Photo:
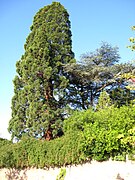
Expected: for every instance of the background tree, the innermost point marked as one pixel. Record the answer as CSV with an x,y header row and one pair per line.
x,y
97,71
121,96
39,86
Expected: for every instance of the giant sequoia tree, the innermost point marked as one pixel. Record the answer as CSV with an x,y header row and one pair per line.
x,y
39,86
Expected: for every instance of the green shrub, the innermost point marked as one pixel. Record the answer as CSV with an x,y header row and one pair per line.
x,y
78,119
4,142
6,156
6,153
87,135
102,138
30,152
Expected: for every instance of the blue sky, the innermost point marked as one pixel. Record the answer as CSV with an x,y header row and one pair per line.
x,y
92,21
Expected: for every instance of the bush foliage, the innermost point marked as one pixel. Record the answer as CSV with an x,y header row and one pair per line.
x,y
87,135
30,152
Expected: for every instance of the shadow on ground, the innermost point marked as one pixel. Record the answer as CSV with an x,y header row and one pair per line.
x,y
14,174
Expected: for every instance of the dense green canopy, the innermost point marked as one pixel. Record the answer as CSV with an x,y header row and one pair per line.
x,y
39,86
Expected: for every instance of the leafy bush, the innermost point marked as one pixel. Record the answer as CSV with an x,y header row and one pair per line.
x,y
78,119
6,153
30,152
87,135
4,142
102,139
102,131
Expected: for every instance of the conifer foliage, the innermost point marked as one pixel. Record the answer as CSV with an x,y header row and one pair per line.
x,y
40,84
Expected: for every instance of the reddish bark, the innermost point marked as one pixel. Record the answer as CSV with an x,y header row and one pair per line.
x,y
48,135
48,95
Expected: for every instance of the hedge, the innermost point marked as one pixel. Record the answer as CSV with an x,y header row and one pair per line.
x,y
100,135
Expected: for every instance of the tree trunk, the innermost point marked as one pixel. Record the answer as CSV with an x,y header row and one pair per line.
x,y
48,135
82,97
91,98
49,95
